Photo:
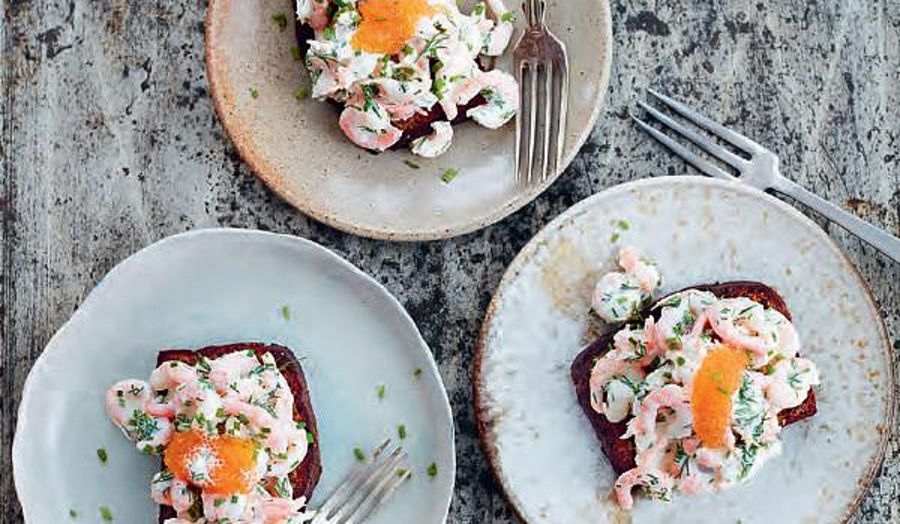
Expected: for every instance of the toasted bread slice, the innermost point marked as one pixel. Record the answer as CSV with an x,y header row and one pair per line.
x,y
621,452
305,477
417,126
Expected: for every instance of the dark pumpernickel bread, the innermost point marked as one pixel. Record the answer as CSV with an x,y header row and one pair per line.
x,y
418,125
621,452
306,476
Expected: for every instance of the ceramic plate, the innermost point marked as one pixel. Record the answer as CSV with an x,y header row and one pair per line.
x,y
297,148
220,286
699,230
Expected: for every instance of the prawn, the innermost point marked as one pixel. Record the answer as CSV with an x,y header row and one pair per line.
x,y
498,37
605,370
748,325
644,425
435,144
657,483
369,129
645,273
790,382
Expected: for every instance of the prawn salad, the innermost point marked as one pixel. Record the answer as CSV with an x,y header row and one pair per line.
x,y
700,385
390,61
226,432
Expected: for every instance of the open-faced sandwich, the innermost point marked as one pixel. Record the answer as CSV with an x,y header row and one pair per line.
x,y
691,392
235,429
405,70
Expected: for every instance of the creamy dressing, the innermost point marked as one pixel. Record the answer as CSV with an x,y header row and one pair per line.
x,y
648,377
438,64
226,417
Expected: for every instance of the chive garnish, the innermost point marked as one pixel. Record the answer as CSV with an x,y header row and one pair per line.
x,y
101,454
432,470
449,175
358,453
73,514
285,312
401,431
106,514
412,164
301,93
380,390
417,373
254,92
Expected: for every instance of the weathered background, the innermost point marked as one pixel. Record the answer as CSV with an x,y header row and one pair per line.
x,y
110,142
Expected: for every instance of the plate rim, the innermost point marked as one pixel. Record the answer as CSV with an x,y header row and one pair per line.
x,y
269,176
87,303
543,236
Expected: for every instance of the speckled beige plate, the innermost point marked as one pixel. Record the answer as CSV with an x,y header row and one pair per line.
x,y
699,230
297,148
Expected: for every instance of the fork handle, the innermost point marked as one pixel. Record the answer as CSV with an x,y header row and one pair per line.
x,y
874,236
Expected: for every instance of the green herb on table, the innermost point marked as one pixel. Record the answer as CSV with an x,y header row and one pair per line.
x,y
380,390
106,514
285,312
101,454
296,54
412,164
358,453
449,175
280,20
401,431
432,470
254,92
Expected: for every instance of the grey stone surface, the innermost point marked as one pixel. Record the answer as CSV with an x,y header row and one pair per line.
x,y
110,142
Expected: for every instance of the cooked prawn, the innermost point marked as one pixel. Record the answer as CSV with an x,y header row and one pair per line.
x,y
657,483
499,36
747,324
369,129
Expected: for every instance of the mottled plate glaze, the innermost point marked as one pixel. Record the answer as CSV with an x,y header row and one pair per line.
x,y
214,287
699,230
297,149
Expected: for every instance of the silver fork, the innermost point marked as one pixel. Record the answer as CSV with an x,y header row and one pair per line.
x,y
366,488
760,170
542,70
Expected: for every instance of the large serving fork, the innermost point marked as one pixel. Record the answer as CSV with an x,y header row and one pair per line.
x,y
542,71
366,488
758,168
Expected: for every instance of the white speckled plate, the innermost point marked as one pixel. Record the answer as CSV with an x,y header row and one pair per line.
x,y
220,286
297,149
699,230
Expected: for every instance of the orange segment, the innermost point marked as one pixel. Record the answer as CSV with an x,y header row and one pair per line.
x,y
387,25
230,461
718,378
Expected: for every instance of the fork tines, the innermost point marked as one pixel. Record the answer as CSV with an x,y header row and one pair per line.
x,y
368,486
542,71
739,141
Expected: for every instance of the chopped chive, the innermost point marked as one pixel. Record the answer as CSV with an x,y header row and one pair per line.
x,y
417,373
401,431
358,453
403,472
614,237
301,93
508,16
73,514
285,312
380,390
101,454
254,92
432,470
624,225
310,438
106,514
281,20
412,164
449,175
